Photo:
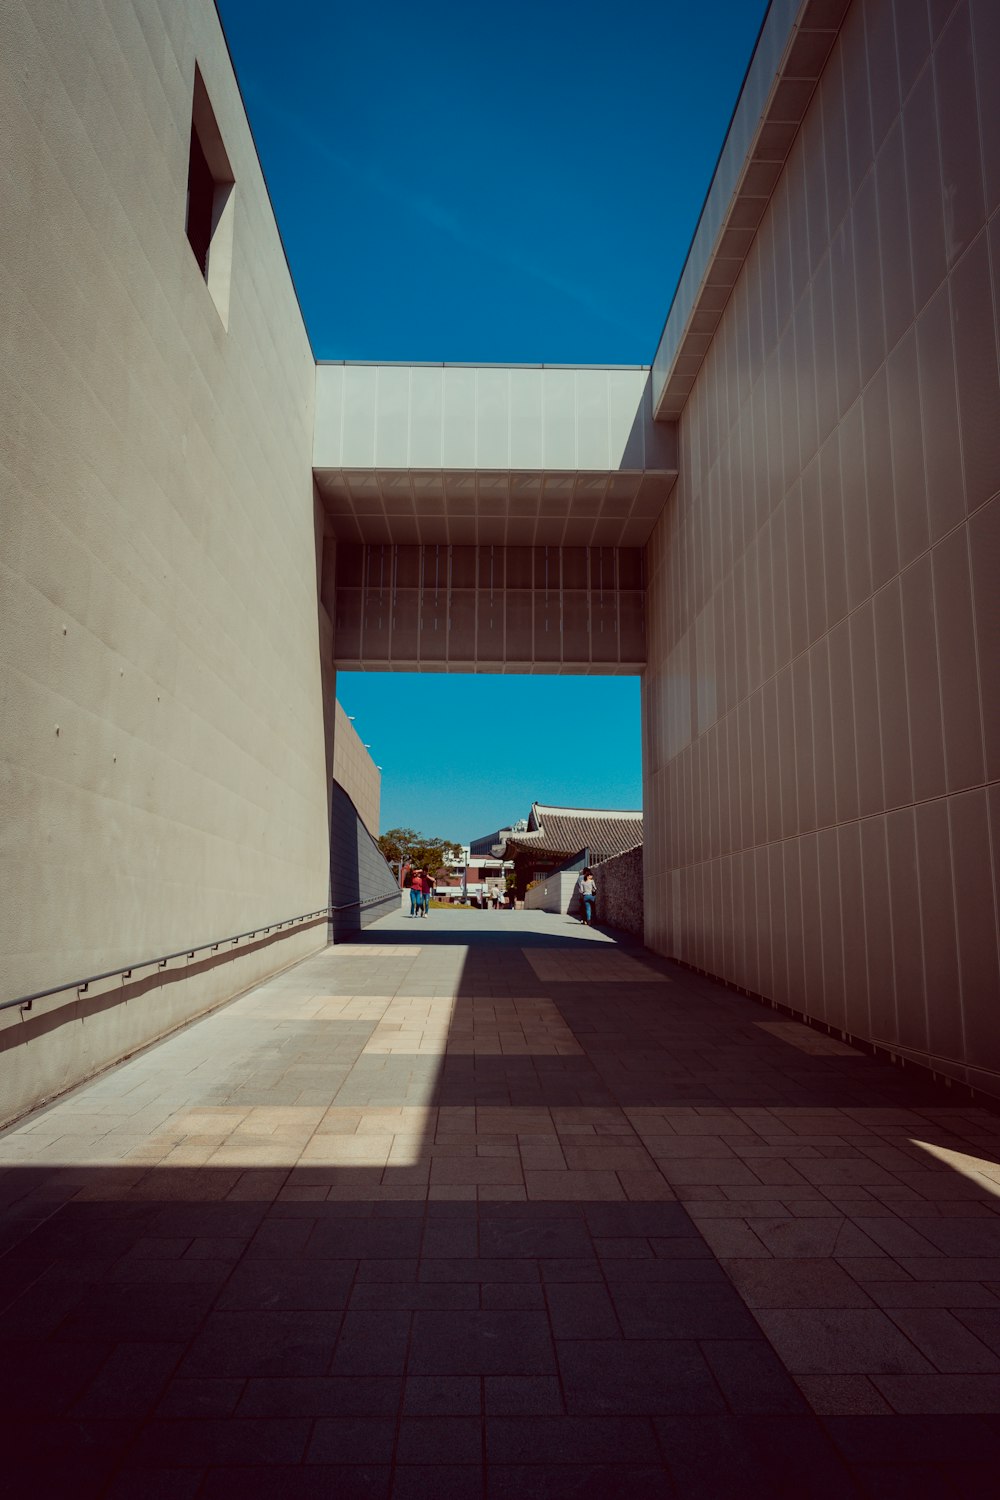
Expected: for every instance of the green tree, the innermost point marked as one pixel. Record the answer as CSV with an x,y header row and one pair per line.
x,y
397,843
410,847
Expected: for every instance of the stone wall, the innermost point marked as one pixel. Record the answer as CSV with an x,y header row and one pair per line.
x,y
620,892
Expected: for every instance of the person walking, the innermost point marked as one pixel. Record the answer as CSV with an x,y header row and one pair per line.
x,y
429,884
416,894
587,889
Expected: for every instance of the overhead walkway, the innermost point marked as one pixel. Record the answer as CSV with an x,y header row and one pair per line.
x,y
491,1205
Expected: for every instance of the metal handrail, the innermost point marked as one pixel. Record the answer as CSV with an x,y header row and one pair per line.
x,y
125,970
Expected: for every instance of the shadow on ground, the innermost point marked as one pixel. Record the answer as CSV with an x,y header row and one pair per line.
x,y
564,1220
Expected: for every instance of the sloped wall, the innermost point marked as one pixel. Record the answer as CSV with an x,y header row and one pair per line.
x,y
362,886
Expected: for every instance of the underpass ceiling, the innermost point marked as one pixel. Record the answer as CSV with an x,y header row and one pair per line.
x,y
499,507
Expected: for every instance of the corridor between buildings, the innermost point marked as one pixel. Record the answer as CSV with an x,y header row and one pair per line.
x,y
494,1205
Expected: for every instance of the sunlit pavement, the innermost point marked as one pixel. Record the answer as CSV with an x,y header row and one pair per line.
x,y
489,1204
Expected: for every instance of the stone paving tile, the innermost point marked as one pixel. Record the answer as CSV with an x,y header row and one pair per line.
x,y
574,1440
312,1482
156,1484
595,1482
681,1310
795,1283
523,1395
517,1212
842,1395
648,1377
486,1343
933,1394
751,1377
840,1342
442,1396
945,1341
712,1456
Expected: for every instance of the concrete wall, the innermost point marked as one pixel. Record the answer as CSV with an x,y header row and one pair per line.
x,y
162,739
555,893
488,417
822,726
356,772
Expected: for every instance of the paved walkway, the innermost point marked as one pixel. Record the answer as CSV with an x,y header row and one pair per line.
x,y
489,1205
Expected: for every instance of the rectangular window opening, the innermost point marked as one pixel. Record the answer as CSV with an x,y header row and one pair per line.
x,y
210,200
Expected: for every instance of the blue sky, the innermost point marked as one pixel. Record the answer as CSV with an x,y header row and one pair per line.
x,y
463,755
500,185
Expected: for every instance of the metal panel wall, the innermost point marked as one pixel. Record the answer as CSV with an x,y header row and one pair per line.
x,y
492,609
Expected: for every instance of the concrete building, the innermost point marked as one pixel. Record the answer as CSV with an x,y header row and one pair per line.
x,y
789,524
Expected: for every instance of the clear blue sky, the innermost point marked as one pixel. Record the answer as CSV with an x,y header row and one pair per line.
x,y
513,184
463,755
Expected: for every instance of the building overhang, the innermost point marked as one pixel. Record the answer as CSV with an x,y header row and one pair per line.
x,y
791,52
523,455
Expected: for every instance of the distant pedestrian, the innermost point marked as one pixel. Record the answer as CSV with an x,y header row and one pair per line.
x,y
587,890
416,894
429,887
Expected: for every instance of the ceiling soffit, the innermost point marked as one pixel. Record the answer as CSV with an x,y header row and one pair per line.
x,y
494,506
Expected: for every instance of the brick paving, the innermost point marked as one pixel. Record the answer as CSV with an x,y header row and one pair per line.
x,y
490,1205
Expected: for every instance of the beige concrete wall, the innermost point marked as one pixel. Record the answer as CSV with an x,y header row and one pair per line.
x,y
164,775
556,892
822,749
357,773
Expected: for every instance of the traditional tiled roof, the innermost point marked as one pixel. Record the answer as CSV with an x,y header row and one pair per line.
x,y
484,845
487,845
561,832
